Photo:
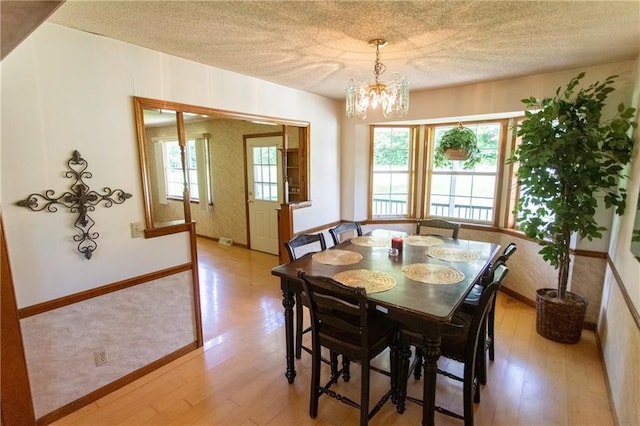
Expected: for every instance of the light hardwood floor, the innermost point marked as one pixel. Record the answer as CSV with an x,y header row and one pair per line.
x,y
237,378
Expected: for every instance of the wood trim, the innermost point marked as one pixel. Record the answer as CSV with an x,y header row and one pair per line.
x,y
590,253
285,227
16,401
176,106
285,230
304,135
99,291
518,296
167,230
182,143
300,205
502,155
320,228
606,379
111,387
196,285
625,295
143,163
21,18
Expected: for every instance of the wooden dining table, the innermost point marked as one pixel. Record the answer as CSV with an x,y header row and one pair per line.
x,y
419,306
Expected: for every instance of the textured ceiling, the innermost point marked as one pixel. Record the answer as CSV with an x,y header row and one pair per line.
x,y
317,46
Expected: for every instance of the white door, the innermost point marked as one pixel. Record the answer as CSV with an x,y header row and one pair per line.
x,y
265,189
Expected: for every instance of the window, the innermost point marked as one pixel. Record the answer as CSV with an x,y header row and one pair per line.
x,y
265,173
524,201
392,172
406,184
198,178
467,195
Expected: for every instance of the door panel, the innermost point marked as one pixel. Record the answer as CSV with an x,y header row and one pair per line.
x,y
265,193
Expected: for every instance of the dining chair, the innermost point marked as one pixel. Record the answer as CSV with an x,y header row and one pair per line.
x,y
470,304
427,226
342,322
297,247
461,341
353,229
498,271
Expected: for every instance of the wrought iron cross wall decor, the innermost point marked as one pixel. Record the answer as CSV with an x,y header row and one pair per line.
x,y
80,200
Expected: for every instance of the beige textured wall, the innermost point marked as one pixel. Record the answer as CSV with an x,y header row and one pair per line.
x,y
137,326
619,338
619,333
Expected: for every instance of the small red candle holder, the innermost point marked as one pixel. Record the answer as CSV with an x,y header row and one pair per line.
x,y
396,243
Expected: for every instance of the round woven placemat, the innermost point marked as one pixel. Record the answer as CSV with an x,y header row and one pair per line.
x,y
337,257
372,281
432,274
451,254
423,240
370,241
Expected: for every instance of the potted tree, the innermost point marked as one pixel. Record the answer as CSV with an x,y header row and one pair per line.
x,y
458,144
569,157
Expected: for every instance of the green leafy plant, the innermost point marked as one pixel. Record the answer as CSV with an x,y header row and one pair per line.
x,y
568,157
458,138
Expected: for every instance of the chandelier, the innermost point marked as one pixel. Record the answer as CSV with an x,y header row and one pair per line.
x,y
393,96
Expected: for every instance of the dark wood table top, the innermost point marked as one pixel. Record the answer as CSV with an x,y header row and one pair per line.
x,y
436,302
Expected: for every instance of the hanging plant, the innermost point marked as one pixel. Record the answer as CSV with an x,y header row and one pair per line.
x,y
458,144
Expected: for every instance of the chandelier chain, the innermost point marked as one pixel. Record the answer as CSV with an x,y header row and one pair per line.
x,y
378,68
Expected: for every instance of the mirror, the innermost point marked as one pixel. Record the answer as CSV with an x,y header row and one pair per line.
x,y
193,165
635,236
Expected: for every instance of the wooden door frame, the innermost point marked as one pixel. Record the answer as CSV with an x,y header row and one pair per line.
x,y
16,399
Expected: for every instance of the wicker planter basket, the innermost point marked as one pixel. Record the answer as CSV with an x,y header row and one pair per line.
x,y
456,154
560,320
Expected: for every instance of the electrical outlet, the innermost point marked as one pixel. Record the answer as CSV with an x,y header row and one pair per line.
x,y
137,230
101,357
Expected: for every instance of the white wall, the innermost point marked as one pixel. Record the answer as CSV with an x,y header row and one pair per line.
x,y
63,90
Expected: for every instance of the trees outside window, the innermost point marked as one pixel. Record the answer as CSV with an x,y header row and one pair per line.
x,y
406,183
467,194
392,171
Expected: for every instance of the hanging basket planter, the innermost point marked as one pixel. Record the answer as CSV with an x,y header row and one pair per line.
x,y
456,154
457,144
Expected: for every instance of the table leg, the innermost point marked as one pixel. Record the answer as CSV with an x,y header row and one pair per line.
x,y
403,357
288,303
431,355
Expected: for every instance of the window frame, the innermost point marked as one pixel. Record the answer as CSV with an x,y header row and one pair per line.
x,y
194,189
411,172
505,191
430,171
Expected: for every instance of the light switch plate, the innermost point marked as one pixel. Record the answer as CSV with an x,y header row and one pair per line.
x,y
137,230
